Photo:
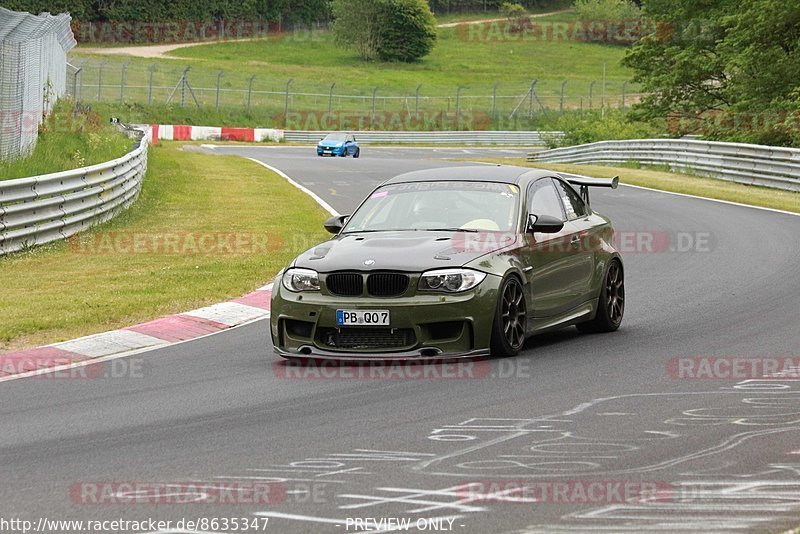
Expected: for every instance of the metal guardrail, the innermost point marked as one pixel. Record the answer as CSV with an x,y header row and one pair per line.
x,y
510,138
51,207
766,166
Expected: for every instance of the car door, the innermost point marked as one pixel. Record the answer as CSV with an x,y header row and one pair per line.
x,y
581,241
548,259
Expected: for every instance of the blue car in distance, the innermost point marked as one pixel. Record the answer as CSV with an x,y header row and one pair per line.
x,y
338,144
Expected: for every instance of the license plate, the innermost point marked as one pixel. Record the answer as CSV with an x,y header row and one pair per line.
x,y
362,317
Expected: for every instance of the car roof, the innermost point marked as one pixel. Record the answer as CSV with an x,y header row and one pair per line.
x,y
506,174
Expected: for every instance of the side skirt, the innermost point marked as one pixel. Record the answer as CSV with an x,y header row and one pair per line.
x,y
584,312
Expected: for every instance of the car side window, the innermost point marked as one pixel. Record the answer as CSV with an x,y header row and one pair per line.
x,y
349,138
543,199
573,203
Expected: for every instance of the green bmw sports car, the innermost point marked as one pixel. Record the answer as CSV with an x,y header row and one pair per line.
x,y
450,263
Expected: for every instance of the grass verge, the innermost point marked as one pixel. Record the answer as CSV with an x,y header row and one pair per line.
x,y
206,228
70,137
677,183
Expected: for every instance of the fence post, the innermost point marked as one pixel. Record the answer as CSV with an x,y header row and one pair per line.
x,y
416,100
216,100
494,101
624,87
122,81
151,70
75,83
591,91
372,119
183,86
458,108
533,96
561,103
250,90
330,99
100,80
286,102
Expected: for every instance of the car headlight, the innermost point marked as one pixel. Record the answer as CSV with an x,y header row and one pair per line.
x,y
301,280
450,280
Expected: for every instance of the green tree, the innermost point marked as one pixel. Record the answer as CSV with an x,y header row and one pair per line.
x,y
390,30
516,14
409,31
607,10
722,56
357,24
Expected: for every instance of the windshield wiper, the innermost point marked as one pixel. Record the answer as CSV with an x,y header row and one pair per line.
x,y
472,230
373,231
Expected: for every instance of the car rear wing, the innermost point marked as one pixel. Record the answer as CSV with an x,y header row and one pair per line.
x,y
585,182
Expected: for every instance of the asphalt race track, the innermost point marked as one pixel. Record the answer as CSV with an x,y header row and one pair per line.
x,y
609,433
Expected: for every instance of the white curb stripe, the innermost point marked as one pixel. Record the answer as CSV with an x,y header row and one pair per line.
x,y
228,313
109,343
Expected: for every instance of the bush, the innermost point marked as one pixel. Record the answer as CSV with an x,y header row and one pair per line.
x,y
607,10
409,32
391,30
516,14
581,127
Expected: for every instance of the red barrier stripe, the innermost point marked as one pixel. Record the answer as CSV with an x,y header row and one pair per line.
x,y
182,133
238,134
154,133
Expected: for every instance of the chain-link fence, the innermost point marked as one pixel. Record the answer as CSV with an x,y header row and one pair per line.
x,y
299,104
33,58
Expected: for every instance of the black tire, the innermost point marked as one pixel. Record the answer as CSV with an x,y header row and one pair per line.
x,y
357,154
510,320
611,306
344,153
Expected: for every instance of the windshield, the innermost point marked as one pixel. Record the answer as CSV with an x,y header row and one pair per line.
x,y
335,137
466,206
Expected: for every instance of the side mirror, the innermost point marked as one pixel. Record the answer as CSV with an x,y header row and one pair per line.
x,y
335,224
546,224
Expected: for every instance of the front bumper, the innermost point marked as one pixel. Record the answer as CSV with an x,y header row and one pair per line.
x,y
334,151
422,327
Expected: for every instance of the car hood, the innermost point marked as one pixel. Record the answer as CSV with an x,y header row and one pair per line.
x,y
402,251
330,143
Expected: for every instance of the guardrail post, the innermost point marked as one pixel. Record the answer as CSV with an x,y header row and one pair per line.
x,y
216,99
286,102
591,92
